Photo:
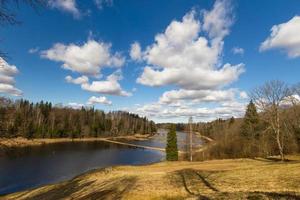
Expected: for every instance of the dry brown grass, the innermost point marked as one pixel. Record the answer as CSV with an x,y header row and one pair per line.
x,y
216,179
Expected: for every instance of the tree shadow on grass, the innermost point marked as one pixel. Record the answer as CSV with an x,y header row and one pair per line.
x,y
62,191
264,196
87,190
113,191
185,174
275,160
207,183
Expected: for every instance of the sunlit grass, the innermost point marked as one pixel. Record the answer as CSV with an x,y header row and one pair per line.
x,y
216,179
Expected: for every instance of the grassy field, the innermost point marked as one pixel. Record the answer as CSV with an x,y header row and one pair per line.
x,y
216,179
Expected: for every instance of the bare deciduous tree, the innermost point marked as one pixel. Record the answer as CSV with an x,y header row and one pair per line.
x,y
296,94
269,98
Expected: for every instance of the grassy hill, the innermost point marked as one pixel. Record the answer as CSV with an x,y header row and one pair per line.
x,y
216,179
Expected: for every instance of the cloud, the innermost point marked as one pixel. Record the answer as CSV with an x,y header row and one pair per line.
x,y
159,112
184,57
80,80
188,55
91,101
33,50
218,20
102,3
10,89
191,78
109,86
7,82
6,69
75,105
244,95
203,105
200,96
291,100
238,50
101,100
136,52
7,79
285,36
69,6
87,59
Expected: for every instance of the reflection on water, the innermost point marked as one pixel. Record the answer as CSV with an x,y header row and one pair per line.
x,y
34,166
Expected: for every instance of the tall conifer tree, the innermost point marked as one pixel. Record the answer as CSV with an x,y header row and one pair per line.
x,y
171,148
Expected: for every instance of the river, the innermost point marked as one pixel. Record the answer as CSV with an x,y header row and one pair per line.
x,y
30,167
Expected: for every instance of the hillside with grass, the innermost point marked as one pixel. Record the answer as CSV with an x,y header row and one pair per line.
x,y
215,179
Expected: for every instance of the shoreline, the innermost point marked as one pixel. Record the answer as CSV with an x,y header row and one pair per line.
x,y
8,143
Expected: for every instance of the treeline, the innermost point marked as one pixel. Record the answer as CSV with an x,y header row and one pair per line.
x,y
271,126
252,136
21,118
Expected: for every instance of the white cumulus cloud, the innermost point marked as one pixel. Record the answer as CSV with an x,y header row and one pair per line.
x,y
109,86
80,80
7,82
285,36
87,59
75,105
135,51
200,96
188,55
99,100
159,112
238,50
66,5
184,57
218,20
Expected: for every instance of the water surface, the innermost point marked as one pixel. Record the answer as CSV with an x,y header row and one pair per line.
x,y
30,167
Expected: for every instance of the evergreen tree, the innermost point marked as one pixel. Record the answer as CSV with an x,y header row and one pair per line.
x,y
250,131
171,148
249,127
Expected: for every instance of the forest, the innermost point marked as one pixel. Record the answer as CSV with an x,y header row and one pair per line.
x,y
270,126
21,118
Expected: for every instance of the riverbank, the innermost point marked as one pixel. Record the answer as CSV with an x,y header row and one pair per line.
x,y
6,143
216,179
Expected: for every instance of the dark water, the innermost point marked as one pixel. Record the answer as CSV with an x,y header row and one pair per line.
x,y
30,167
35,166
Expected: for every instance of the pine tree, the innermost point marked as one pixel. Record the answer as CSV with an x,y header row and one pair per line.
x,y
250,131
171,148
250,123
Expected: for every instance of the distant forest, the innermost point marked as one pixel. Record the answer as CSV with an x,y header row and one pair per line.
x,y
21,118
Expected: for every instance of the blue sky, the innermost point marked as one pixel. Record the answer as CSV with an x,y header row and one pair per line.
x,y
168,77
